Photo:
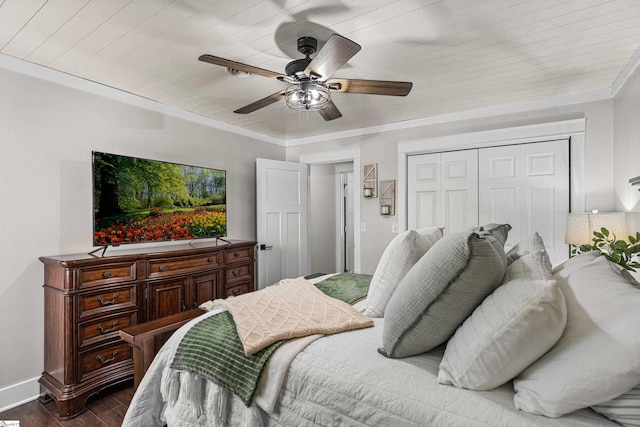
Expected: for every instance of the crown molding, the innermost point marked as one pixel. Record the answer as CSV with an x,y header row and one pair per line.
x,y
626,73
557,101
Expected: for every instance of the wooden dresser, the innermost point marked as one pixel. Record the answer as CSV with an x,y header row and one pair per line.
x,y
88,299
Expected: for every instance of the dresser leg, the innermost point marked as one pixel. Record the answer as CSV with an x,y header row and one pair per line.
x,y
68,405
71,408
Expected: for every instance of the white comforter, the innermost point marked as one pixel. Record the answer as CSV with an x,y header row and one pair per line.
x,y
341,380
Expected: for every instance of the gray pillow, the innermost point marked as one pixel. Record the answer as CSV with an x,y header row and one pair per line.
x,y
440,291
499,231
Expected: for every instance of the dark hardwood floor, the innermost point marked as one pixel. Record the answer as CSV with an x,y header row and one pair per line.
x,y
106,409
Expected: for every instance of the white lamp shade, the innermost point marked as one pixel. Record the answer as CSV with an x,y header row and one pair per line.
x,y
580,226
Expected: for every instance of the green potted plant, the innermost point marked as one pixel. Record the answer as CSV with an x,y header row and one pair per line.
x,y
618,251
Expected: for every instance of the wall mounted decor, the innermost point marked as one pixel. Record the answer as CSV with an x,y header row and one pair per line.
x,y
388,197
370,180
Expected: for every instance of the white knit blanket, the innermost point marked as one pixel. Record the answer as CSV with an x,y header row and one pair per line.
x,y
289,309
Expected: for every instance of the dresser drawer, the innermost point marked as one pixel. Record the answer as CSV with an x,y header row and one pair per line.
x,y
102,359
239,273
104,328
106,301
177,265
243,288
104,274
238,255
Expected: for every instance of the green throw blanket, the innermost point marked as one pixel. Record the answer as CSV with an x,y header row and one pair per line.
x,y
347,287
212,348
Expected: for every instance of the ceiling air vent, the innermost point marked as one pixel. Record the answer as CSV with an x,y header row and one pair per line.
x,y
635,181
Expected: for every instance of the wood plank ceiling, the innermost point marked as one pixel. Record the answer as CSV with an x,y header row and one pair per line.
x,y
460,54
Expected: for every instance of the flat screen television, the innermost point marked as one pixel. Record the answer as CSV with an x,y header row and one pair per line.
x,y
139,200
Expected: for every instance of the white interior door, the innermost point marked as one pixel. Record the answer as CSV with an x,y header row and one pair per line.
x,y
527,186
443,190
282,193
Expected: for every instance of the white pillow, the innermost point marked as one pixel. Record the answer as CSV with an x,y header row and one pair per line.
x,y
397,259
598,356
512,328
534,265
532,243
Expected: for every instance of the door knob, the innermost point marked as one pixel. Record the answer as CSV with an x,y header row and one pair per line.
x,y
265,247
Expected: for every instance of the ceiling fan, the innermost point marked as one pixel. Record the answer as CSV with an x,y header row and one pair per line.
x,y
309,78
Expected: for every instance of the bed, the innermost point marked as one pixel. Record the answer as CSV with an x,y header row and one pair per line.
x,y
369,376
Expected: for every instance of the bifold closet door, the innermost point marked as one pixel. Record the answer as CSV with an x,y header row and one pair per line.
x,y
442,190
527,186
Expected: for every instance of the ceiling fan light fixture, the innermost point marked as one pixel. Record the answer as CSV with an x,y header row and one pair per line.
x,y
307,96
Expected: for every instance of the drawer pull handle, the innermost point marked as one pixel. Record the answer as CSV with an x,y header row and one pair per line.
x,y
106,274
236,292
163,268
109,360
210,259
111,329
111,301
235,273
236,254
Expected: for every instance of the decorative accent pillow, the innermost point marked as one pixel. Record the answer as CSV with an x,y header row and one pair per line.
x,y
441,291
598,356
533,265
397,259
532,243
512,328
499,231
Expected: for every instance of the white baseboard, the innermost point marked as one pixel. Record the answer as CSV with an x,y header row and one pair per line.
x,y
17,394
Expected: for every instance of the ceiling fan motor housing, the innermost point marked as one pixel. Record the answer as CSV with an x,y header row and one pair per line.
x,y
306,46
296,68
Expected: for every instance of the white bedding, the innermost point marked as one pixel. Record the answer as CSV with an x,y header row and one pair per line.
x,y
342,380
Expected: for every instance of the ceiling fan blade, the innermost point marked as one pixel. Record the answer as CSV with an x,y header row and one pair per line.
x,y
260,103
333,55
330,112
240,66
373,87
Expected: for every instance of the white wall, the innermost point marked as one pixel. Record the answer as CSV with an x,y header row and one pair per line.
x,y
381,148
627,145
322,218
47,133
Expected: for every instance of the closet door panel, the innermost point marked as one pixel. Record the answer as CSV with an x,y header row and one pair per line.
x,y
457,208
423,180
426,214
536,176
502,205
460,190
541,204
443,190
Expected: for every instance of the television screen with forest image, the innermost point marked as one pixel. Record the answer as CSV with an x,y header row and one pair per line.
x,y
139,200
